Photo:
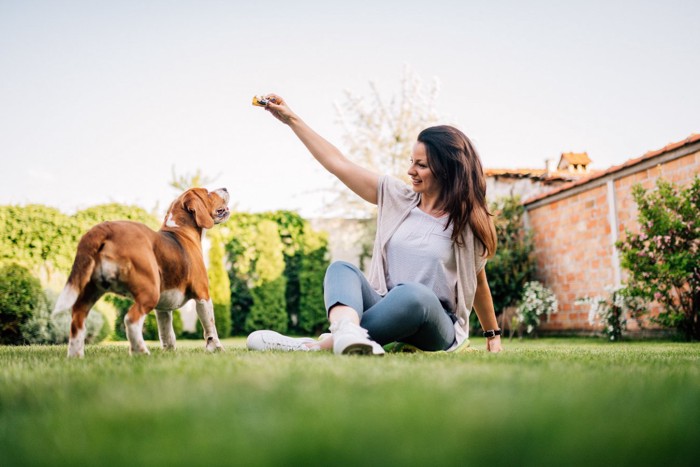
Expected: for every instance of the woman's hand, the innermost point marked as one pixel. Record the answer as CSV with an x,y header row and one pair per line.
x,y
279,108
493,344
363,182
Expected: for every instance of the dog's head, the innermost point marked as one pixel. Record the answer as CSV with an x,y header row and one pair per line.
x,y
199,206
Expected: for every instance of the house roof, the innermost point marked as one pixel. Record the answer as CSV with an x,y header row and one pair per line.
x,y
693,138
574,158
535,174
515,173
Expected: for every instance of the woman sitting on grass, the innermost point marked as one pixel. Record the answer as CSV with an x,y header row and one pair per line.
x,y
427,269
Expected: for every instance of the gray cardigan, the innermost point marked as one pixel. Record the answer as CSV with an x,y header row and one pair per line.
x,y
395,200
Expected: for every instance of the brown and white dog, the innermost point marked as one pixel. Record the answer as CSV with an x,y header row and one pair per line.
x,y
159,270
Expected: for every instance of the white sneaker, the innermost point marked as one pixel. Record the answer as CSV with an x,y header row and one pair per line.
x,y
271,340
351,339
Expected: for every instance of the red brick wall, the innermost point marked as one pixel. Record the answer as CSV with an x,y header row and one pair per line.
x,y
573,234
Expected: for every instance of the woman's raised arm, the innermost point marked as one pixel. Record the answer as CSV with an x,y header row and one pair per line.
x,y
360,180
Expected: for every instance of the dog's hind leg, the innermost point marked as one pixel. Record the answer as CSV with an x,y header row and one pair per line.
x,y
165,329
78,325
205,311
76,341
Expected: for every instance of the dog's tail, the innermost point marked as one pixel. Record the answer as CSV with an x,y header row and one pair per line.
x,y
83,266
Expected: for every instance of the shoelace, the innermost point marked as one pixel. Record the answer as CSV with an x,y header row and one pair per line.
x,y
350,328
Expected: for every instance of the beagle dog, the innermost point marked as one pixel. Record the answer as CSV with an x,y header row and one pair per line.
x,y
158,270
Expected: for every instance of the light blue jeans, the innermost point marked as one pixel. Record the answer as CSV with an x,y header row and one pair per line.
x,y
409,313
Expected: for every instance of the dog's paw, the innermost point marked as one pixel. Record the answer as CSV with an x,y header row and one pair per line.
x,y
140,350
214,345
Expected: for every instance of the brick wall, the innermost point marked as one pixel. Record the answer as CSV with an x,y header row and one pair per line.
x,y
576,225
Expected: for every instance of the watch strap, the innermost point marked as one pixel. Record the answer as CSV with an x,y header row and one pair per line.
x,y
492,333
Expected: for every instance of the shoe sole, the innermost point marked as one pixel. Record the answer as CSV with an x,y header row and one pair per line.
x,y
359,349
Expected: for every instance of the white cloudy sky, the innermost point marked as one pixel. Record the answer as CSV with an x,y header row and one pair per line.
x,y
100,100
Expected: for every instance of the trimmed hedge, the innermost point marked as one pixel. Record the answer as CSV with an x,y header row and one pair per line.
x,y
290,298
305,259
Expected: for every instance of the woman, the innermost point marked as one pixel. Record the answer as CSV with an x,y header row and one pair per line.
x,y
427,269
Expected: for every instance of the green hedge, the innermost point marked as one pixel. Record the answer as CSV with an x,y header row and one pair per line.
x,y
275,284
265,270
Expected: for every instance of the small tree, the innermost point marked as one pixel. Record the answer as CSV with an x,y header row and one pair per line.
x,y
269,310
314,262
663,259
241,253
378,133
513,265
182,182
219,284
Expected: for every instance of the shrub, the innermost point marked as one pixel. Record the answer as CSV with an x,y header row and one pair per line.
x,y
96,327
20,295
37,329
663,259
537,301
513,264
613,310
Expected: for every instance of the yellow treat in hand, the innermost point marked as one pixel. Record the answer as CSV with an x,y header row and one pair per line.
x,y
260,101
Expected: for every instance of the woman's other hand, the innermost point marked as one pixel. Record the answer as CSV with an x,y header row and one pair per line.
x,y
494,344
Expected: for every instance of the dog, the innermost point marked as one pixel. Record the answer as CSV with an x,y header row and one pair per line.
x,y
158,270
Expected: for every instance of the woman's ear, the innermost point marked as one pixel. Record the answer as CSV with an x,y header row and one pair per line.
x,y
196,205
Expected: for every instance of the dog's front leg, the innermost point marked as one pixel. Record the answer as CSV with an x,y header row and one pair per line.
x,y
166,333
205,311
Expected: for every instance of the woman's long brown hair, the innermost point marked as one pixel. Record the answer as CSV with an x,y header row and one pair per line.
x,y
456,165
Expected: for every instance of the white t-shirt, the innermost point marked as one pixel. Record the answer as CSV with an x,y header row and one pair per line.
x,y
421,251
395,201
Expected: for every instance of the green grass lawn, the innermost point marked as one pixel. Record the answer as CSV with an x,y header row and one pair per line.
x,y
542,402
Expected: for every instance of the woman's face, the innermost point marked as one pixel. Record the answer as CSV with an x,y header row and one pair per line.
x,y
422,178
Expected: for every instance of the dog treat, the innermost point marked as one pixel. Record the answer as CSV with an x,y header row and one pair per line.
x,y
261,101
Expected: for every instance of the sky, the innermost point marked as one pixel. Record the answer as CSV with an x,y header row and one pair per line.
x,y
102,101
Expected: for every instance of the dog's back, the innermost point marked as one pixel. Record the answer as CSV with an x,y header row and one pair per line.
x,y
104,253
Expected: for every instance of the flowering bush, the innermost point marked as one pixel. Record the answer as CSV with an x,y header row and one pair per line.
x,y
537,301
613,310
664,257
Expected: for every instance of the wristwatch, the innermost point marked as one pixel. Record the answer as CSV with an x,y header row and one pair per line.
x,y
492,333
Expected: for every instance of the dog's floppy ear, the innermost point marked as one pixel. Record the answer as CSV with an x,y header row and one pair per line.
x,y
196,205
